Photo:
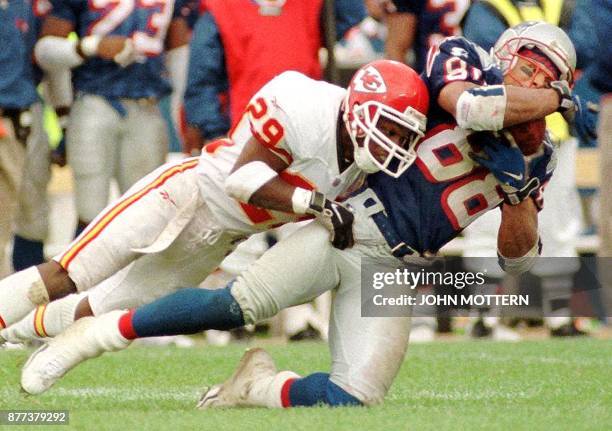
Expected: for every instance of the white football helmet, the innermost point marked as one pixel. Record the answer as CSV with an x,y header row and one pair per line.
x,y
390,90
553,42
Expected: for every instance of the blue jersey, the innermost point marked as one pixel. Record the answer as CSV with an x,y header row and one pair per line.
x,y
145,21
435,21
445,190
16,72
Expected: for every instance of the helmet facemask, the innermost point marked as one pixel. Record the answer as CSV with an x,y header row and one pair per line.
x,y
540,63
362,122
549,40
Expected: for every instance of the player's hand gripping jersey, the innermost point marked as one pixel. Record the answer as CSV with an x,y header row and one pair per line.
x,y
296,118
447,190
145,22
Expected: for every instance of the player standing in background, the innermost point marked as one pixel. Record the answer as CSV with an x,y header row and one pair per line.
x,y
561,219
173,227
409,218
600,79
115,128
420,25
225,72
32,220
17,95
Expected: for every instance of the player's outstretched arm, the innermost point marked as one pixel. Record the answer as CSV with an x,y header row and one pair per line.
x,y
497,106
517,240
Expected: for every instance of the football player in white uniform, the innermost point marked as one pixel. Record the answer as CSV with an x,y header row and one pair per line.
x,y
407,218
295,151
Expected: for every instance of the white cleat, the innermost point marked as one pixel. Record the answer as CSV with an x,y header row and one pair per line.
x,y
52,360
255,364
85,339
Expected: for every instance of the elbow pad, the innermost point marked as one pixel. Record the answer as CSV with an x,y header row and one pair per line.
x,y
519,265
247,179
54,53
482,108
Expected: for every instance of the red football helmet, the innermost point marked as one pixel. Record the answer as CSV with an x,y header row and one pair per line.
x,y
385,90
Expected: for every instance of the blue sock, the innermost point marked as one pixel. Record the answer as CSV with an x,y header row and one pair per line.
x,y
26,253
317,389
188,311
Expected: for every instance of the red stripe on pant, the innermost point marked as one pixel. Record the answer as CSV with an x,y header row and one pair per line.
x,y
285,399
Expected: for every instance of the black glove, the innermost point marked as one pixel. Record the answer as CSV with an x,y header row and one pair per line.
x,y
336,218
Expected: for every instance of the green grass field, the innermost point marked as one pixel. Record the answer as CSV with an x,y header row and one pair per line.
x,y
532,385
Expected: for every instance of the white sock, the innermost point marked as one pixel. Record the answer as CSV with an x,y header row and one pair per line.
x,y
105,334
45,321
19,294
266,392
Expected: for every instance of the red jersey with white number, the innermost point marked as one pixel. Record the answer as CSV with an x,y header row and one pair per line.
x,y
296,118
252,53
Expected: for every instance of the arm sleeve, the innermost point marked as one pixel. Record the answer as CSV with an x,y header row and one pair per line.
x,y
349,13
482,26
456,59
269,122
206,80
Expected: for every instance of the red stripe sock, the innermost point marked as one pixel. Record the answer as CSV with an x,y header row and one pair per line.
x,y
285,398
125,326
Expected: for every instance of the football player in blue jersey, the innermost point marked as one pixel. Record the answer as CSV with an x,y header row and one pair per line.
x,y
119,64
17,94
409,218
32,220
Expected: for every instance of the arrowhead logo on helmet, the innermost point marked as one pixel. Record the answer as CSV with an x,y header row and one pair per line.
x,y
384,93
369,80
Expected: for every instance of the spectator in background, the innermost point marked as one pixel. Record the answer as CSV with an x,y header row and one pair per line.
x,y
238,46
419,25
17,95
561,218
115,128
600,80
32,220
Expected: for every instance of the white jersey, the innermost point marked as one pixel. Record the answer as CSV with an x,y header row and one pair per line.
x,y
296,118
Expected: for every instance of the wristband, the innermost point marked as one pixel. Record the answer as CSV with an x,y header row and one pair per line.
x,y
300,200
